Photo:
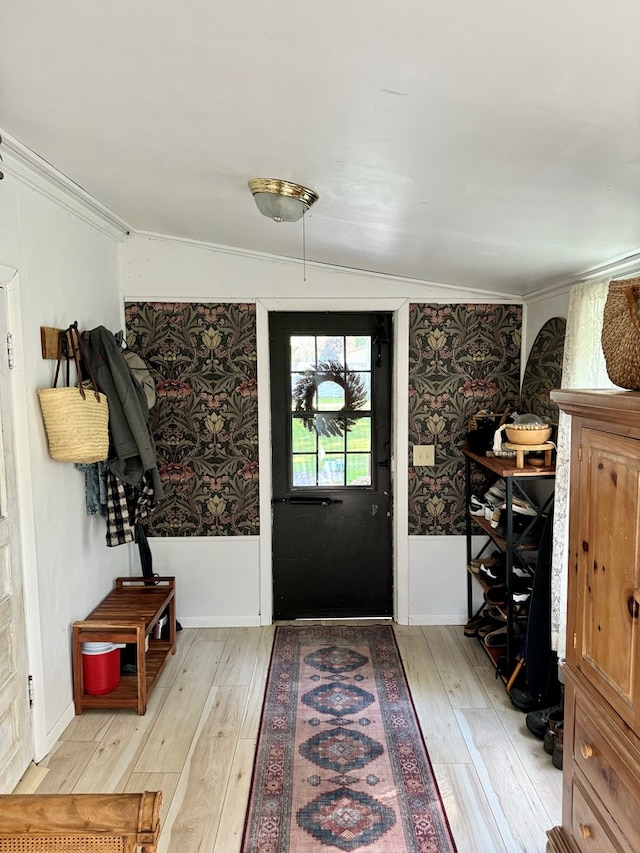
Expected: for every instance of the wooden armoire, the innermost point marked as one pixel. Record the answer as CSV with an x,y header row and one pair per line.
x,y
601,770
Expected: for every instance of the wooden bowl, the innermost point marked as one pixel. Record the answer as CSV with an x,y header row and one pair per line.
x,y
521,434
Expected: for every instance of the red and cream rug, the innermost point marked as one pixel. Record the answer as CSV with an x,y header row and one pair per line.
x,y
341,762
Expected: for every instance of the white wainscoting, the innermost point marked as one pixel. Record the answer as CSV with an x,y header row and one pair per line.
x,y
217,578
438,580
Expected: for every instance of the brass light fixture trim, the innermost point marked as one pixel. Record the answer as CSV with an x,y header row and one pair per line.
x,y
276,187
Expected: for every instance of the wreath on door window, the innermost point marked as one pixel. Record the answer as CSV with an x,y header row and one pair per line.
x,y
355,394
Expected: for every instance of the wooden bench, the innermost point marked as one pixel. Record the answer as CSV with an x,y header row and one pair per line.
x,y
80,823
129,614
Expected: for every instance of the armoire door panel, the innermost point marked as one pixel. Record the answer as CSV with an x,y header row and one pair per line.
x,y
608,597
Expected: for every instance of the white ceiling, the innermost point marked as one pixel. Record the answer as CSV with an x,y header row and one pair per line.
x,y
490,143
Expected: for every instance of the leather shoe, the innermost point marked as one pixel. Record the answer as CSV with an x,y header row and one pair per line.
x,y
536,721
524,701
555,718
558,747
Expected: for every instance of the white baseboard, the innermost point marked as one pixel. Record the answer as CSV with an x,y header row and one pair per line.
x,y
438,619
54,734
220,621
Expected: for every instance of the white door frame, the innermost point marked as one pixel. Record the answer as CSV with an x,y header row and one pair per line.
x,y
10,283
400,438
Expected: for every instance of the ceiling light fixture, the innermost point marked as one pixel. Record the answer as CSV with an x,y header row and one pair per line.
x,y
281,201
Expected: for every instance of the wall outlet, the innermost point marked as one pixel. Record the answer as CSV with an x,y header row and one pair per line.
x,y
424,454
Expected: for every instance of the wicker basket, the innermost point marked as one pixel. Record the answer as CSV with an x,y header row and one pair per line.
x,y
77,426
621,333
76,418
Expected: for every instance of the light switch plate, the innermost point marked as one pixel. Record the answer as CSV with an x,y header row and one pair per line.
x,y
424,455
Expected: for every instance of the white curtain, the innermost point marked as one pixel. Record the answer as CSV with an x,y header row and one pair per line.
x,y
583,367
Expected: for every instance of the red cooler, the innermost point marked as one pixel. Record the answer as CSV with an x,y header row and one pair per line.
x,y
100,668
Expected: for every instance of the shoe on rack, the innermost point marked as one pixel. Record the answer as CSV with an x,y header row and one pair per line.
x,y
498,490
522,573
521,597
536,721
491,560
497,615
496,595
489,509
555,718
519,507
476,507
558,747
471,628
495,572
498,639
489,625
522,507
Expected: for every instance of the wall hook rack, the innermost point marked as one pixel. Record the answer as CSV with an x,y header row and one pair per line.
x,y
49,339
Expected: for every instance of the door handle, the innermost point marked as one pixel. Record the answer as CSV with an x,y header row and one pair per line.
x,y
384,464
310,501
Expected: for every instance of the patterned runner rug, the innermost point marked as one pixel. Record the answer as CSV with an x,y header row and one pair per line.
x,y
341,763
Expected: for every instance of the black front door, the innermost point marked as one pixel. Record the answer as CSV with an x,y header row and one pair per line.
x,y
331,425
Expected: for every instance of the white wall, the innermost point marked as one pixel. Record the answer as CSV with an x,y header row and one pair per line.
x,y
538,310
228,582
67,263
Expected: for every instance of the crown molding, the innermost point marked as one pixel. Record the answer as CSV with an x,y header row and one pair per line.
x,y
36,173
549,292
622,268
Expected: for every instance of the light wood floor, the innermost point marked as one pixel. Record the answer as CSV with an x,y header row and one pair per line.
x,y
197,739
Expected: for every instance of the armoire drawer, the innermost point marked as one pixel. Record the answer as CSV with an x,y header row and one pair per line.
x,y
591,830
607,767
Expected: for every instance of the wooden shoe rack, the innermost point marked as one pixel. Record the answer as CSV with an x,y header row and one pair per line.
x,y
129,614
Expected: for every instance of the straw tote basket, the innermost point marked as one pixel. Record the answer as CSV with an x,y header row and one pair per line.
x,y
76,420
621,333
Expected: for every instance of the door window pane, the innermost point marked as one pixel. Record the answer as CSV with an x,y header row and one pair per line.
x,y
331,349
303,440
331,443
304,469
303,352
331,470
359,436
359,469
358,352
303,393
363,400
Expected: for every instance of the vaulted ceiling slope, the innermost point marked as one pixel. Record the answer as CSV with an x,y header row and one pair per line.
x,y
491,144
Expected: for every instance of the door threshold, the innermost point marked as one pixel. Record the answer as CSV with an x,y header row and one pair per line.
x,y
342,619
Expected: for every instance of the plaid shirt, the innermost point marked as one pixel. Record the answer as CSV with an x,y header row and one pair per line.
x,y
125,506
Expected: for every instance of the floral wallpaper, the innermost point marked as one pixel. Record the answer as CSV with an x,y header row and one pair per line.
x,y
205,420
462,358
544,370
